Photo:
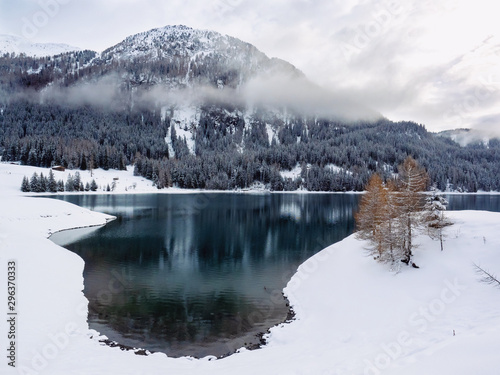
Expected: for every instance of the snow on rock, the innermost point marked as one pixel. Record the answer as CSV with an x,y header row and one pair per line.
x,y
270,133
353,315
185,119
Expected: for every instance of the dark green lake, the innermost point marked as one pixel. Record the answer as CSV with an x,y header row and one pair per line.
x,y
202,274
199,274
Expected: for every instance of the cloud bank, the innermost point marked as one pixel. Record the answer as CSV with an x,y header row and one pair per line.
x,y
434,62
274,91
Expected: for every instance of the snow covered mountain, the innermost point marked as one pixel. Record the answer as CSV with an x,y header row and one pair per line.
x,y
179,64
183,71
182,55
18,45
205,110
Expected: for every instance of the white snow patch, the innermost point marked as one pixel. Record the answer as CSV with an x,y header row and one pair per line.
x,y
184,120
336,169
270,133
293,174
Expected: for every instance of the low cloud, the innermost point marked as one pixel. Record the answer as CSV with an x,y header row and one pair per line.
x,y
269,91
102,93
417,60
301,96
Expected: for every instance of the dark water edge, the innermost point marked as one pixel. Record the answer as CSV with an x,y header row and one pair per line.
x,y
219,234
205,274
250,341
476,202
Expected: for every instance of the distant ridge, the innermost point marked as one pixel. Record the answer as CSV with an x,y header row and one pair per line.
x,y
18,45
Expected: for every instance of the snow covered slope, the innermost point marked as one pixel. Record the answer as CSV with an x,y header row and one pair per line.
x,y
18,45
354,316
198,56
123,181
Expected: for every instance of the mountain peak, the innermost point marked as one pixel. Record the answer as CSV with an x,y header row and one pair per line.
x,y
178,40
192,55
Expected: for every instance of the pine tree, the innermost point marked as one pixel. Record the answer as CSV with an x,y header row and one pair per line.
x,y
389,215
52,184
83,164
77,182
25,185
43,183
434,216
60,186
35,183
70,185
392,235
93,185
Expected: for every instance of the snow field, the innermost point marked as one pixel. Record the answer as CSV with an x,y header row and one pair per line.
x,y
354,316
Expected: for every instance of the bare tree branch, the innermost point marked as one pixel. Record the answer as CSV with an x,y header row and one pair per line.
x,y
487,277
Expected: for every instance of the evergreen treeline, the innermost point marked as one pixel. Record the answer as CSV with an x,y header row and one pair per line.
x,y
232,146
44,123
48,184
21,72
79,138
356,151
234,152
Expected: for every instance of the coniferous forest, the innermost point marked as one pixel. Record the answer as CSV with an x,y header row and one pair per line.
x,y
230,147
86,137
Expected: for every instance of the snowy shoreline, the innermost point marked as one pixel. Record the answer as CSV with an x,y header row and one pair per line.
x,y
127,183
353,316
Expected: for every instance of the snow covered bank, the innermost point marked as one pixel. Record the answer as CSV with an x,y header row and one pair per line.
x,y
125,182
353,315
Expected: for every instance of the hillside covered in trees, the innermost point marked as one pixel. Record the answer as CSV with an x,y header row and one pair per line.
x,y
197,109
332,156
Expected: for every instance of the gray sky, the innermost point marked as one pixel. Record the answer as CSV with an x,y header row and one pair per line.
x,y
433,62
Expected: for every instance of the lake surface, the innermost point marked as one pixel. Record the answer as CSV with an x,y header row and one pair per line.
x,y
202,274
199,274
458,202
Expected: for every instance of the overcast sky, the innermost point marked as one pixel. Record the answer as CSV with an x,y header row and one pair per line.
x,y
434,62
